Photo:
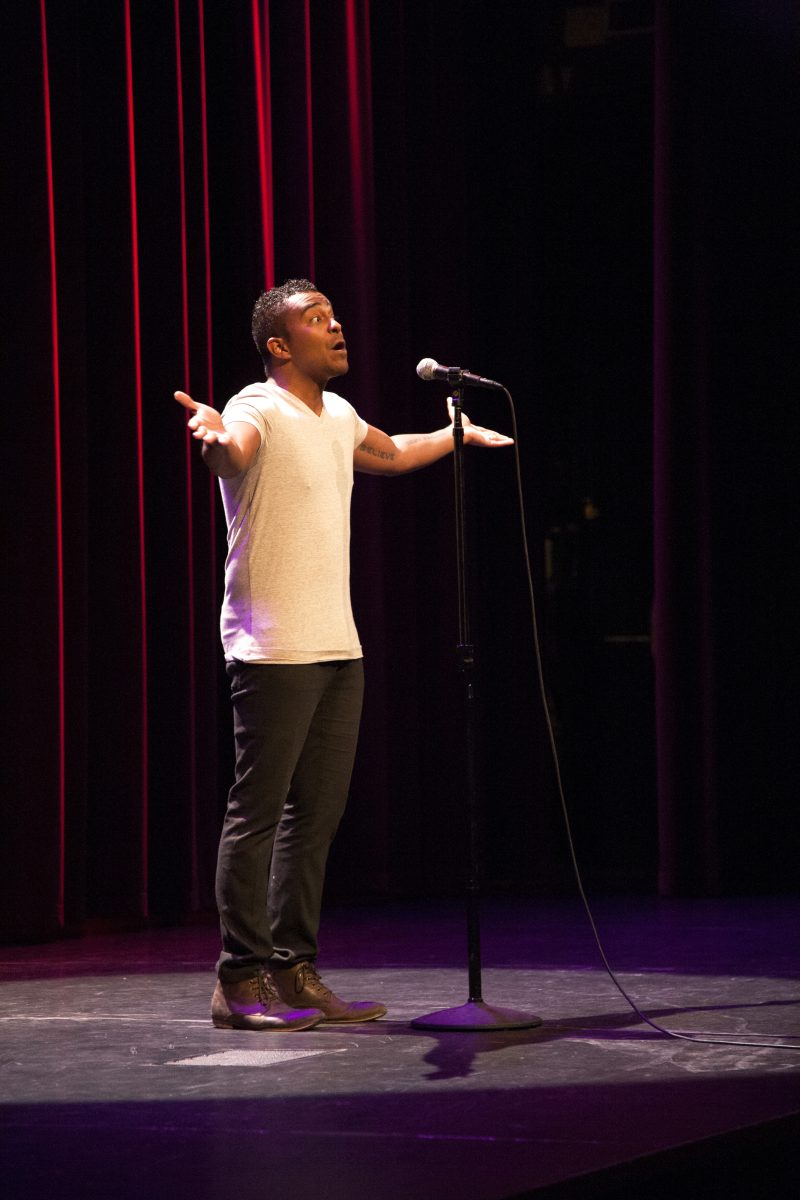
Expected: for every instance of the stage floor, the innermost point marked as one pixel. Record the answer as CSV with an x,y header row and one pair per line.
x,y
116,1084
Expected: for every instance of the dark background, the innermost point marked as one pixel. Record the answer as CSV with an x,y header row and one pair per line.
x,y
545,193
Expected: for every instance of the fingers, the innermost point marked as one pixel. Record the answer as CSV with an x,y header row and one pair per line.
x,y
186,401
488,437
209,436
476,434
204,421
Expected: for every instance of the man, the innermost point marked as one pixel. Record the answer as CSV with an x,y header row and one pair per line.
x,y
285,451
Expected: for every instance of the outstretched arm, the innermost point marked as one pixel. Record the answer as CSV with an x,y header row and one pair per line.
x,y
227,449
380,454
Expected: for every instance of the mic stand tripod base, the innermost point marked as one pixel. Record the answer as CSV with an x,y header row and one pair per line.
x,y
474,1016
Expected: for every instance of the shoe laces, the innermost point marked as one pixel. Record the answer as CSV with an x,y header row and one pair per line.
x,y
308,976
267,992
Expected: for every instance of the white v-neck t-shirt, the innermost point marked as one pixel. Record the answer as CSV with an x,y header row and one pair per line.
x,y
287,572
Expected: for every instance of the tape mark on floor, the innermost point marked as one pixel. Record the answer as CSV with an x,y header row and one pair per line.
x,y
249,1058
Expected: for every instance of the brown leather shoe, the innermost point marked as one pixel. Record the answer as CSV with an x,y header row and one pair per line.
x,y
301,984
254,1003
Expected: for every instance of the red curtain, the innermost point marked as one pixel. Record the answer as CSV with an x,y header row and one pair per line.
x,y
465,186
154,179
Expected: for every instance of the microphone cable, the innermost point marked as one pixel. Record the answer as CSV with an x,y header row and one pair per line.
x,y
706,1038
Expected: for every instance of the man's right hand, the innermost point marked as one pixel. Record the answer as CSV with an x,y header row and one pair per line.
x,y
227,450
205,422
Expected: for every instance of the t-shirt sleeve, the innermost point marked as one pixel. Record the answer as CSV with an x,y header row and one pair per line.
x,y
245,410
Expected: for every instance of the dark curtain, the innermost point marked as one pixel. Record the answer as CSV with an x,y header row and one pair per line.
x,y
468,181
725,445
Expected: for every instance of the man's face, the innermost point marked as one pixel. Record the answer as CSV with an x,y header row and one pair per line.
x,y
314,337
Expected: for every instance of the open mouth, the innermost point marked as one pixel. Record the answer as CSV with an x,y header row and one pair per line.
x,y
340,345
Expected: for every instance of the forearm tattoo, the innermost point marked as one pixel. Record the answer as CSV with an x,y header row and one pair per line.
x,y
384,454
412,440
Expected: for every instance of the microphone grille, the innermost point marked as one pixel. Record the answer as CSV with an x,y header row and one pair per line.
x,y
426,368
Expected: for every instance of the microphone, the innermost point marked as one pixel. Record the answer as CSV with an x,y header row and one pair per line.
x,y
428,369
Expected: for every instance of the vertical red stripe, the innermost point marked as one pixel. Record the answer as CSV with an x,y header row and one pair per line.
x,y
212,490
366,96
312,252
188,461
358,112
354,114
269,228
51,212
182,187
264,113
137,338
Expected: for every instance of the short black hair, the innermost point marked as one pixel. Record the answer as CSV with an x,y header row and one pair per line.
x,y
270,310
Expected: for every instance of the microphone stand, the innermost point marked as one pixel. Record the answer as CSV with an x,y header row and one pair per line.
x,y
476,1014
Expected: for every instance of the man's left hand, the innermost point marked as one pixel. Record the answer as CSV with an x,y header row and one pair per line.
x,y
476,435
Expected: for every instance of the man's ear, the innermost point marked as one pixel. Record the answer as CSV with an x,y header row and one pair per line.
x,y
278,348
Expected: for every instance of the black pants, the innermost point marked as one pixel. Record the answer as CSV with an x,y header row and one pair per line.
x,y
295,729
